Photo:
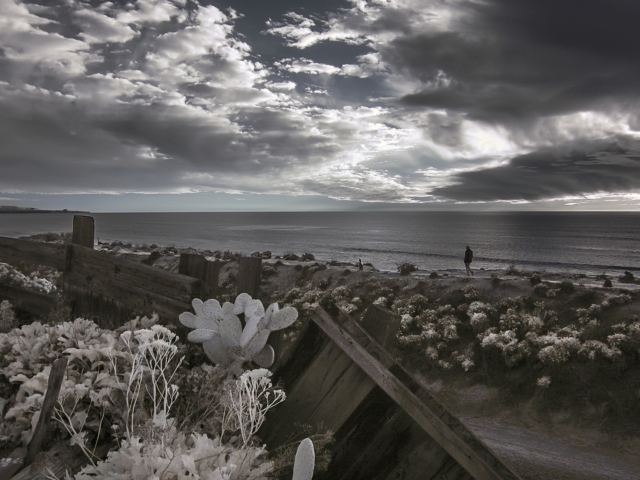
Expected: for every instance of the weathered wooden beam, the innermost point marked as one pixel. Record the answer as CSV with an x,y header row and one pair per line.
x,y
83,231
197,266
212,275
478,465
89,262
328,391
249,272
192,265
119,301
16,251
34,302
56,376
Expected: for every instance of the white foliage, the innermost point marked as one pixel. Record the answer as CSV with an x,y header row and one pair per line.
x,y
247,400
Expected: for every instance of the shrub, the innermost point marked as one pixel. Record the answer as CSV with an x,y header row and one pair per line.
x,y
567,287
535,279
607,283
406,268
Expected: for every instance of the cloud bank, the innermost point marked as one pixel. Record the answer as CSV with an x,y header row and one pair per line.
x,y
390,101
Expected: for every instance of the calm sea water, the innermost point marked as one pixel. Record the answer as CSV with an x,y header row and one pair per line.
x,y
590,243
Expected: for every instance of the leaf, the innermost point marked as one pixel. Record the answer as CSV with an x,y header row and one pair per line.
x,y
212,309
254,308
216,351
305,461
188,319
282,319
207,323
200,335
230,331
250,329
265,357
256,344
241,303
198,306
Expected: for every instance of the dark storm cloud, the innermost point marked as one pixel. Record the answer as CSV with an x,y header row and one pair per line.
x,y
507,60
611,165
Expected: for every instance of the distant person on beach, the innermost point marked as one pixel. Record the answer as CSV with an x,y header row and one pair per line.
x,y
360,266
468,258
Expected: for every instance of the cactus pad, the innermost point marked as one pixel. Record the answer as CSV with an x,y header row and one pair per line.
x,y
188,319
282,319
305,461
212,309
200,335
265,357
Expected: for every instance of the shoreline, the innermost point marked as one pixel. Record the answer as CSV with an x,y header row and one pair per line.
x,y
591,279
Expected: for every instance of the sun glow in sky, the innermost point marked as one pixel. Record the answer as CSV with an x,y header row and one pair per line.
x,y
333,104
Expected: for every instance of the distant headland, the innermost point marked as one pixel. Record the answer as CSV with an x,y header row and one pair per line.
x,y
13,209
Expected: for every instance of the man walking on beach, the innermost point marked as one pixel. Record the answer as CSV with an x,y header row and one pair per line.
x,y
468,258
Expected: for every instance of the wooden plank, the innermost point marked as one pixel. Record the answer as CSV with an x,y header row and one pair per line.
x,y
184,288
249,273
212,275
16,251
197,266
358,333
32,301
101,298
83,231
50,399
456,446
329,390
192,265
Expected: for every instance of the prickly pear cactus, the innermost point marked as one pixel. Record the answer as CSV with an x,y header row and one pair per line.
x,y
305,461
224,340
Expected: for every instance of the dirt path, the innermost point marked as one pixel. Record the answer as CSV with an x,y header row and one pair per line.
x,y
539,456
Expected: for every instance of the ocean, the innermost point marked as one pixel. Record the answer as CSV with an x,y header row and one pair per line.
x,y
560,242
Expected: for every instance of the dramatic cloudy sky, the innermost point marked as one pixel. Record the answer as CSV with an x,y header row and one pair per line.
x,y
324,104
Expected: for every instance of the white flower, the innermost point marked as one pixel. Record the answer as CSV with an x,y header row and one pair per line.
x,y
544,382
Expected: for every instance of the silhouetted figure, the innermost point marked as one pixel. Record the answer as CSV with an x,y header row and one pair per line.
x,y
468,258
360,266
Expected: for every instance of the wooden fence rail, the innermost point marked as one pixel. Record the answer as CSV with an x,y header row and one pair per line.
x,y
97,283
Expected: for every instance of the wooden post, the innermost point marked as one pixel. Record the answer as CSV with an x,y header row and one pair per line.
x,y
197,266
50,399
212,274
382,324
193,265
83,230
249,272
